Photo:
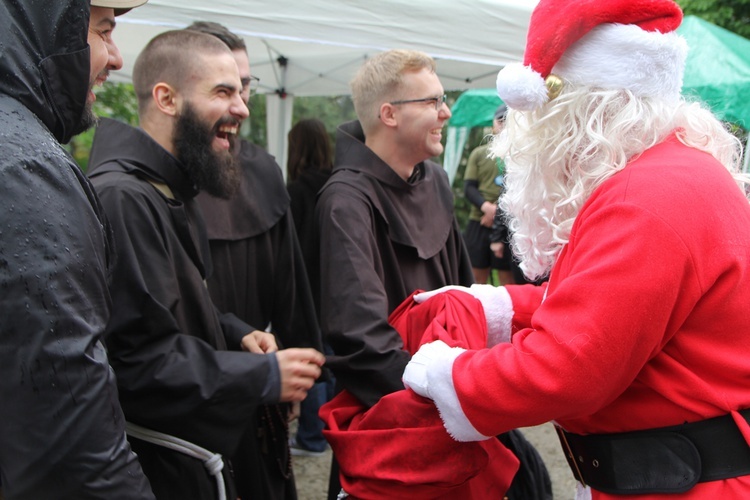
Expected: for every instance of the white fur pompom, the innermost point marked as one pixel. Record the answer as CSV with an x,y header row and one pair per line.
x,y
520,87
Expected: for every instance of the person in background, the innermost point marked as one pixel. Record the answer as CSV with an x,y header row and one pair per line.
x,y
500,246
259,275
62,431
309,164
184,369
631,200
483,184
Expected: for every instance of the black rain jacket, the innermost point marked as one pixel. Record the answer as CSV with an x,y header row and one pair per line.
x,y
62,430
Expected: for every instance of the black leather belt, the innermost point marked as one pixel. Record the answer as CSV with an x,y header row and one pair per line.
x,y
664,460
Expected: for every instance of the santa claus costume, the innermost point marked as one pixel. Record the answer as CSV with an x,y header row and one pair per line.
x,y
637,347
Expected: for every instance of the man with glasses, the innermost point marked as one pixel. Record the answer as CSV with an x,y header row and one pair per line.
x,y
259,275
386,221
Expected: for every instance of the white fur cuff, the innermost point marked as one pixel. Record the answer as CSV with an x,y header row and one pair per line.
x,y
498,310
443,393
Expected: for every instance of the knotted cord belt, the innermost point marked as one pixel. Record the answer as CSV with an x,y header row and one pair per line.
x,y
213,462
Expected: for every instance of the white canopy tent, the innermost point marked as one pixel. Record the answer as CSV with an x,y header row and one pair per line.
x,y
313,49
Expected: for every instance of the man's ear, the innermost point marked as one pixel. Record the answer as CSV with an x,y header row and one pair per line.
x,y
165,98
387,115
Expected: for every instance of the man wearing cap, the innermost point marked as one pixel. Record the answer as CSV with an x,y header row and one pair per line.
x,y
483,183
631,199
62,433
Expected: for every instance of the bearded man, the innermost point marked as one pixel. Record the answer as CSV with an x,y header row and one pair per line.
x,y
630,199
180,365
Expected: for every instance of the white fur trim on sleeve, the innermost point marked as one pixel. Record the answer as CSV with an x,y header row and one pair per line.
x,y
498,310
443,393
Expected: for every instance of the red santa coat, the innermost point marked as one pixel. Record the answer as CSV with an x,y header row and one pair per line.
x,y
646,317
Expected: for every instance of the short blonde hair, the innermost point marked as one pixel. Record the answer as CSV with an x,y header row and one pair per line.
x,y
380,78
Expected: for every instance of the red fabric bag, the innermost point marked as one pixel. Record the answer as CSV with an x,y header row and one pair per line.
x,y
399,447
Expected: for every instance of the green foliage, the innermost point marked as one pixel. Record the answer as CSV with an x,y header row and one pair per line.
x,y
331,110
254,128
118,101
733,15
113,100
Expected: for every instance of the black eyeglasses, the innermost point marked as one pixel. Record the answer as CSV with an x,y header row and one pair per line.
x,y
437,100
251,83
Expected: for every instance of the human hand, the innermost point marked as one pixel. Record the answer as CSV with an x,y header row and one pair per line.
x,y
299,368
259,342
294,411
497,248
488,214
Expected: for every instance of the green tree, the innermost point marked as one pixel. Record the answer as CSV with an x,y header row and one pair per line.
x,y
733,15
113,100
331,110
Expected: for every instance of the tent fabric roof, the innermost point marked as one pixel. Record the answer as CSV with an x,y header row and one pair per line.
x,y
717,69
323,43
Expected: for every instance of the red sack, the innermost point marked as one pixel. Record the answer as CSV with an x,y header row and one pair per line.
x,y
399,447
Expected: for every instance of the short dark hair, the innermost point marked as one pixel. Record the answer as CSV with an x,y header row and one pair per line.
x,y
170,57
309,148
500,113
231,40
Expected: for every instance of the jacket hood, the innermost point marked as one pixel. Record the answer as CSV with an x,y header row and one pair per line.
x,y
44,60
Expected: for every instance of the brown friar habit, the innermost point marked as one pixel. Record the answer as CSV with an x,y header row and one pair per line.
x,y
259,275
177,359
381,238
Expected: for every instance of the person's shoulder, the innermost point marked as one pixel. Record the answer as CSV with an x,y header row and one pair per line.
x,y
345,187
259,160
668,168
116,186
479,153
435,173
481,150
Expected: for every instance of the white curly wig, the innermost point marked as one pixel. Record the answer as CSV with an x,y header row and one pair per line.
x,y
559,153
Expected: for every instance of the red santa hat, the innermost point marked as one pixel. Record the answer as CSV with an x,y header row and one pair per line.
x,y
610,44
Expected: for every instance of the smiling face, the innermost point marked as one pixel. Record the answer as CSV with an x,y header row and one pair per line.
x,y
214,94
420,125
105,56
211,111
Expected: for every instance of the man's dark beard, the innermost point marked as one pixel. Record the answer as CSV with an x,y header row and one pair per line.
x,y
88,120
218,174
